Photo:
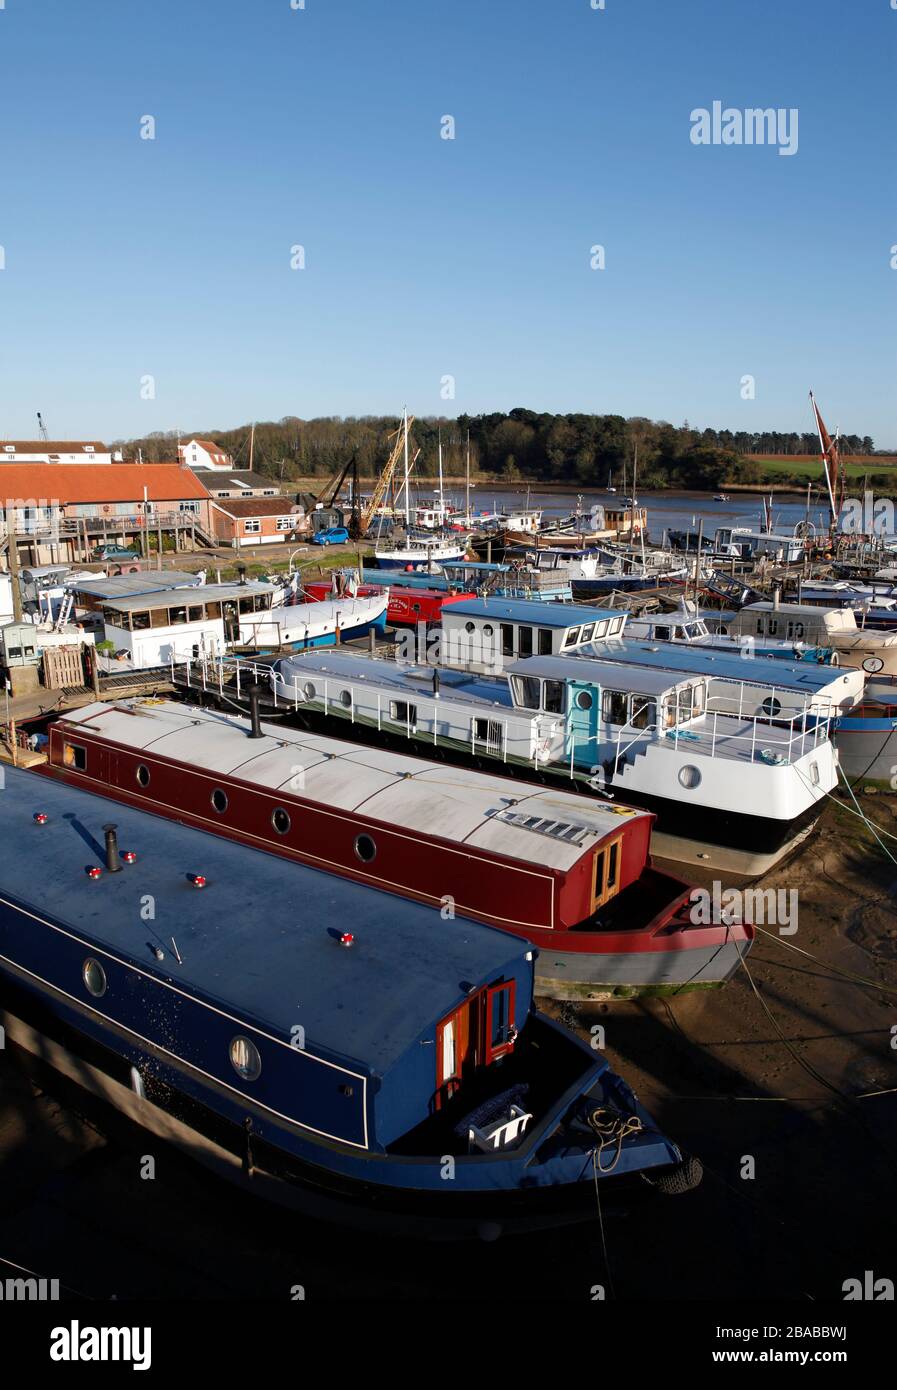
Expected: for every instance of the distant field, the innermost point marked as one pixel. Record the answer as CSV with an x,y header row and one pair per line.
x,y
809,466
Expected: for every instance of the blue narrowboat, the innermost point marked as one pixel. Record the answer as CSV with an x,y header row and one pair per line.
x,y
331,1045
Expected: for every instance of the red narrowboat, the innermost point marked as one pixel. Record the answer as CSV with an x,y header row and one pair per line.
x,y
406,607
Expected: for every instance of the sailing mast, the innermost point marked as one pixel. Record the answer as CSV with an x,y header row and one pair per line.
x,y
467,486
441,493
831,463
407,489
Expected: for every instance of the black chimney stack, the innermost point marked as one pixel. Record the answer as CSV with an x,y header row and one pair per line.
x,y
113,862
254,691
241,571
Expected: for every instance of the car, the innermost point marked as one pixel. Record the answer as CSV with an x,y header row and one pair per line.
x,y
330,535
115,552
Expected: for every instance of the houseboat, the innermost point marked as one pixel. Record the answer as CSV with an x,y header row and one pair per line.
x,y
731,790
320,1042
171,625
571,874
407,604
832,629
874,605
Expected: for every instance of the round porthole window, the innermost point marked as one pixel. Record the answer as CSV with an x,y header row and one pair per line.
x,y
219,801
689,777
280,820
470,627
94,977
309,691
143,775
584,699
873,664
245,1059
345,699
488,629
771,706
365,848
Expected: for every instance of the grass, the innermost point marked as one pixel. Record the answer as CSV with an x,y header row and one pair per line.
x,y
809,467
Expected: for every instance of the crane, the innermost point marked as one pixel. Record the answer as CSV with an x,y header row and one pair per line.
x,y
42,429
382,485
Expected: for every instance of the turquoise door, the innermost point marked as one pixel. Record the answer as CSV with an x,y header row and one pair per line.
x,y
583,717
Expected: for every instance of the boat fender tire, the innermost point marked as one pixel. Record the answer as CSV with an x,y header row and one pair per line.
x,y
684,1177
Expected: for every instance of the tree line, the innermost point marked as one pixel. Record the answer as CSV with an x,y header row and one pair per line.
x,y
521,445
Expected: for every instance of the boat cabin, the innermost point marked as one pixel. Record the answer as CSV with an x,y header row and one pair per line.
x,y
484,634
153,629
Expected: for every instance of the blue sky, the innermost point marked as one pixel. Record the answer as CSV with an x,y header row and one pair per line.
x,y
428,258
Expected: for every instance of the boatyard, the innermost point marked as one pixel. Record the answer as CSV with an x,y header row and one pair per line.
x,y
448,684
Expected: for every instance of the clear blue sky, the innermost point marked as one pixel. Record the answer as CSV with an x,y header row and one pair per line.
x,y
428,257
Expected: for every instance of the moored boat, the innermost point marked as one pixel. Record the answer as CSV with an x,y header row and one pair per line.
x,y
569,873
322,1043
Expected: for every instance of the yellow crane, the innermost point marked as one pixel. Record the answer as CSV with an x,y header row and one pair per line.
x,y
381,486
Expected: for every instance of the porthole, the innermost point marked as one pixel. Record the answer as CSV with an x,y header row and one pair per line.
x,y
470,627
280,820
143,775
309,691
219,801
771,706
345,699
488,630
245,1059
94,977
584,700
873,664
365,848
689,777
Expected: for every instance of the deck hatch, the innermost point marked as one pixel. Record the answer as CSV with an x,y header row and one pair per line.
x,y
558,830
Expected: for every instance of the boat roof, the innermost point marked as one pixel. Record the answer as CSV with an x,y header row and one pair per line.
x,y
514,610
261,940
204,593
120,585
811,610
454,803
409,681
697,659
614,675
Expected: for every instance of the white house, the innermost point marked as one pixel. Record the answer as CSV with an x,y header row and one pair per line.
x,y
64,451
202,453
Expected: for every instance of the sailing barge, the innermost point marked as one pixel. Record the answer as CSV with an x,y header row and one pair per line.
x,y
333,1047
569,873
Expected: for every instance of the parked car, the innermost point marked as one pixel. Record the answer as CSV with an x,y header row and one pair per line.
x,y
330,535
115,552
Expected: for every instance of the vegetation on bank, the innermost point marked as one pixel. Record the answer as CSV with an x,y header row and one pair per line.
x,y
525,446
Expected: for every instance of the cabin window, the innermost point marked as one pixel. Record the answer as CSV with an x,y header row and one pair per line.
x,y
488,630
94,977
795,630
554,697
600,631
470,627
139,621
488,733
772,626
245,1059
689,777
584,699
345,699
500,1033
507,639
662,634
176,616
615,707
525,641
570,637
365,848
309,691
606,872
280,820
545,644
616,626
143,775
195,614
527,692
219,801
759,627
400,712
685,700
586,634
159,617
74,756
213,610
771,707
644,713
